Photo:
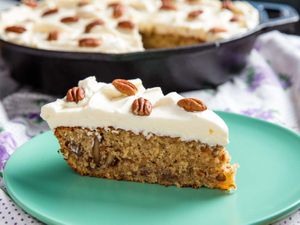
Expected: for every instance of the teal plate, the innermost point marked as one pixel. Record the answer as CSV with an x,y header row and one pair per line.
x,y
268,180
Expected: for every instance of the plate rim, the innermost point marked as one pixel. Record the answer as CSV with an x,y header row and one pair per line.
x,y
280,214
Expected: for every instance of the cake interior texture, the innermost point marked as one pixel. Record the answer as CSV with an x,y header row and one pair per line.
x,y
123,155
155,40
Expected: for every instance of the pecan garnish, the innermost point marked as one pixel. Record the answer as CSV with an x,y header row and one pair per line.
x,y
30,3
168,5
126,24
228,4
70,19
125,87
217,30
75,94
83,3
166,2
52,36
118,9
50,12
194,14
221,177
192,1
235,18
15,29
192,105
91,25
89,42
113,4
141,107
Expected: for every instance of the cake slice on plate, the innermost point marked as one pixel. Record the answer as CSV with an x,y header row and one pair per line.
x,y
123,131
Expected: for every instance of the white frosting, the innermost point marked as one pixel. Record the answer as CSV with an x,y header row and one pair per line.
x,y
176,21
145,13
104,106
114,40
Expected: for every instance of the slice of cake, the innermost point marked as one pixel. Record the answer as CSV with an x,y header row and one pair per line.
x,y
123,131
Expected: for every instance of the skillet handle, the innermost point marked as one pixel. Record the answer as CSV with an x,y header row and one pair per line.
x,y
276,15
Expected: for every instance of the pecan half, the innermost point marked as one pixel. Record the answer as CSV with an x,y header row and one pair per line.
x,y
53,36
30,3
91,25
126,25
192,1
194,14
113,4
70,19
228,4
125,87
89,42
167,5
118,9
141,107
83,3
192,105
221,177
15,29
217,30
166,2
50,12
75,94
235,18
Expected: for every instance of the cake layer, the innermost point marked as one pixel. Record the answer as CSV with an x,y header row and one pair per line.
x,y
123,155
154,40
105,106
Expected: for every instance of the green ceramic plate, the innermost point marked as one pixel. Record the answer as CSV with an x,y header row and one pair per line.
x,y
268,180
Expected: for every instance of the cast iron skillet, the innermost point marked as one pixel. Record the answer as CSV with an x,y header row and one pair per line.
x,y
177,69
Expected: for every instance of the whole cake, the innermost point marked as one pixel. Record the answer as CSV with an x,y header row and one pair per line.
x,y
119,26
123,131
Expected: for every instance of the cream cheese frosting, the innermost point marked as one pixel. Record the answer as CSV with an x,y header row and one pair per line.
x,y
146,14
105,106
113,39
212,16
